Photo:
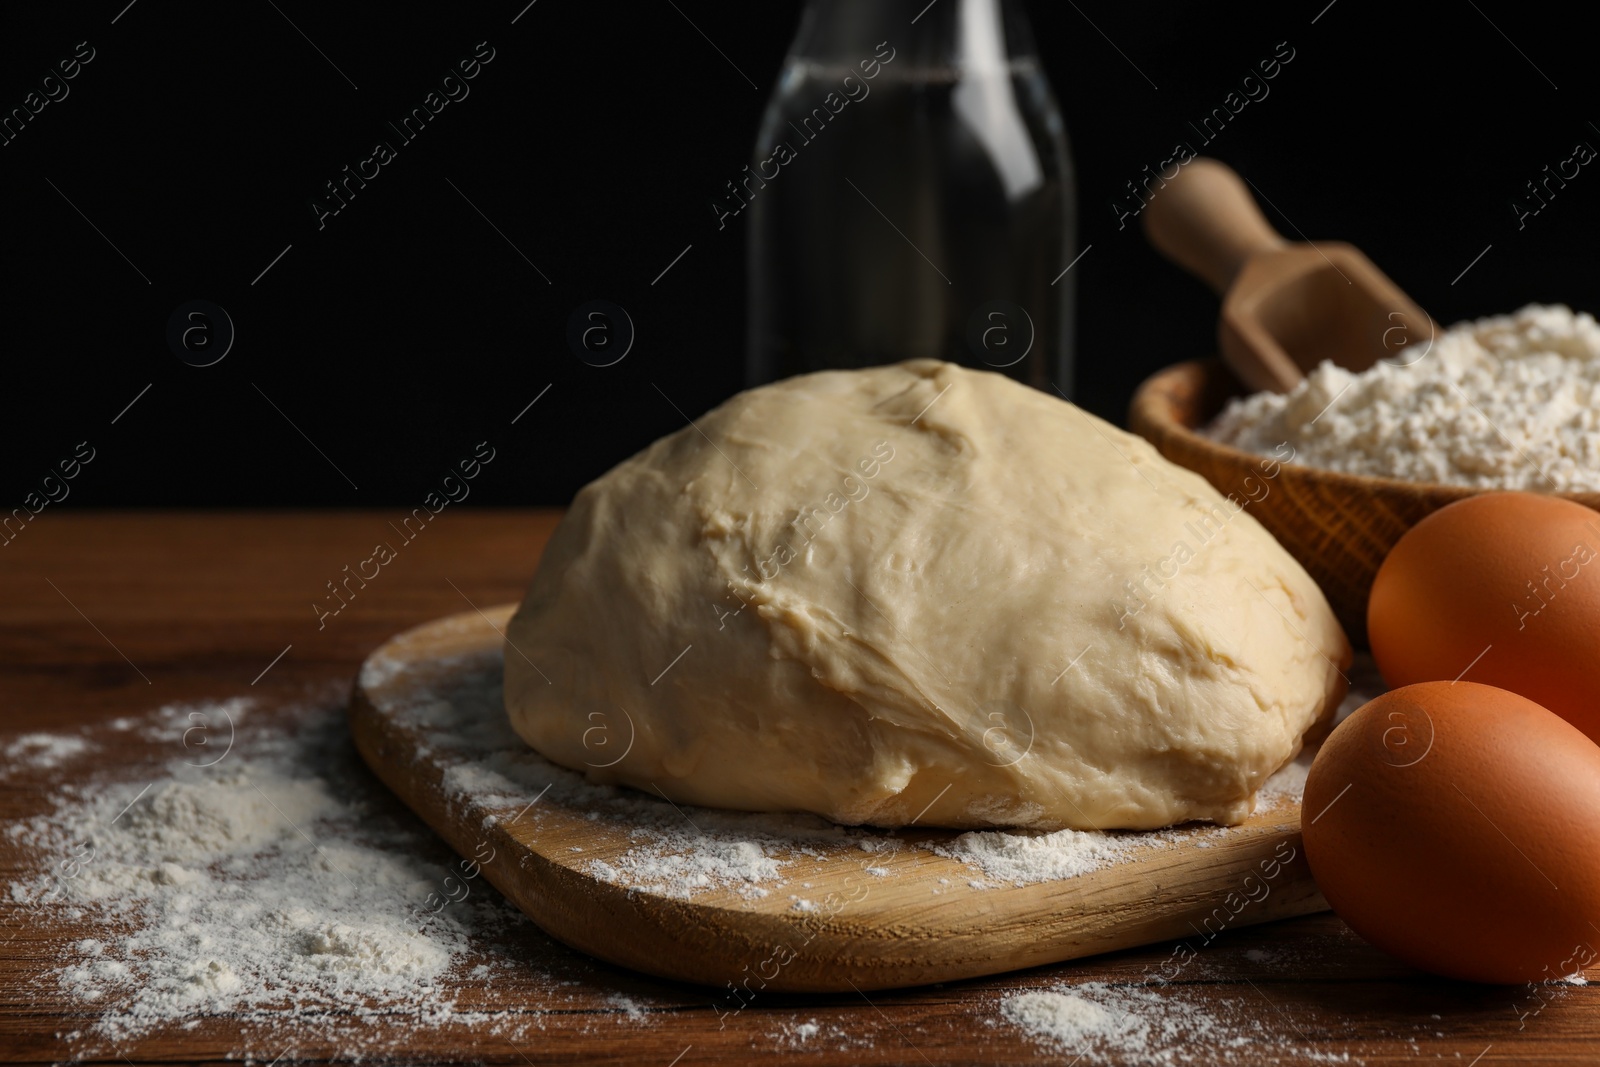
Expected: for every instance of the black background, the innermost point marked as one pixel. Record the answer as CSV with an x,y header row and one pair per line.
x,y
407,329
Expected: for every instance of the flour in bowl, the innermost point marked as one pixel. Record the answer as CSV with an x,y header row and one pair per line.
x,y
1507,402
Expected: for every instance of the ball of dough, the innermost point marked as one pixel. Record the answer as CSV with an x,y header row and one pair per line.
x,y
920,594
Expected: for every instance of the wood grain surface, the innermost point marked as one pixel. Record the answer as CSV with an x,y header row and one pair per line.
x,y
200,604
899,917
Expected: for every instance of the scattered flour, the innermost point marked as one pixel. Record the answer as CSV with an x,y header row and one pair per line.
x,y
811,1034
628,1006
1288,784
1024,859
1139,1024
1508,402
1065,1017
41,751
704,863
268,887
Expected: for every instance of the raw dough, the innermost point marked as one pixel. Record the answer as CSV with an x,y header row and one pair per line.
x,y
921,593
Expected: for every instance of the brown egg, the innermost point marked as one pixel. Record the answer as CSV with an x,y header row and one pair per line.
x,y
1454,826
1503,589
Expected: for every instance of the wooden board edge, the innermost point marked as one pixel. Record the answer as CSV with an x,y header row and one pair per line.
x,y
845,948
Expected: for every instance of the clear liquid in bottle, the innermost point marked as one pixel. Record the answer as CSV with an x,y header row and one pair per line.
x,y
931,215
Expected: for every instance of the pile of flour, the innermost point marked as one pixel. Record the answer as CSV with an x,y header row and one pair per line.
x,y
1508,402
274,886
1164,1027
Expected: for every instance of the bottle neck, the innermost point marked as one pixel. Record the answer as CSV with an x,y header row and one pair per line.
x,y
970,36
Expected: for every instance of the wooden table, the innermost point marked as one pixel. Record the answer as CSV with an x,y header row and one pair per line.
x,y
103,615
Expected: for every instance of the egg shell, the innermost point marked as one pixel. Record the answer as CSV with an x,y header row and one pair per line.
x,y
1455,827
1499,588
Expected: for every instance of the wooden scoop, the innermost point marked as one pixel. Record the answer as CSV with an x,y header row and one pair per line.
x,y
1285,307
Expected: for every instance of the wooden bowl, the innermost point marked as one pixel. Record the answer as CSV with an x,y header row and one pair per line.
x,y
1339,526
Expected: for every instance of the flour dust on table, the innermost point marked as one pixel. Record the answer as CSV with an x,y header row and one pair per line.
x,y
41,751
1157,1026
272,887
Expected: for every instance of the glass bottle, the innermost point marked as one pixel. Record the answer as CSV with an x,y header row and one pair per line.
x,y
911,195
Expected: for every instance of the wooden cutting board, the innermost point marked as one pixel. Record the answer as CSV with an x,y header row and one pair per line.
x,y
874,910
